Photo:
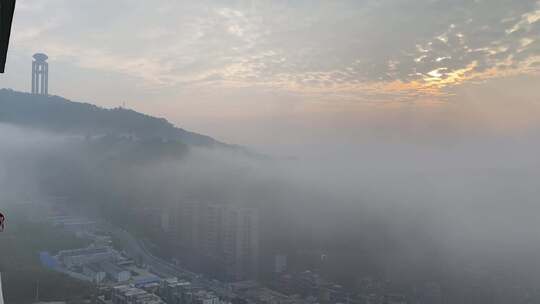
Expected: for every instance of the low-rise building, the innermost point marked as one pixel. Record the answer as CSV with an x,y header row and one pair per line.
x,y
171,290
116,273
79,257
125,294
205,297
95,272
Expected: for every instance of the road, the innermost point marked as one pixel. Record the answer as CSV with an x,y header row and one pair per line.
x,y
137,249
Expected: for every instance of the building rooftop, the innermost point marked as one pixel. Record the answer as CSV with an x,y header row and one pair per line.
x,y
140,296
84,251
95,267
111,268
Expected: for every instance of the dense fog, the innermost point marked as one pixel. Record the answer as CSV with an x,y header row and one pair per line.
x,y
393,209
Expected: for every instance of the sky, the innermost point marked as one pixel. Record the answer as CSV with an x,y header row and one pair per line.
x,y
417,102
284,75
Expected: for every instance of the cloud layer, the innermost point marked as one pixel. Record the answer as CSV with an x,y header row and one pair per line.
x,y
352,50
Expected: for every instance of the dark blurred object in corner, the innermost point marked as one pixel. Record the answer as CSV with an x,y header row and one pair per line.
x,y
7,7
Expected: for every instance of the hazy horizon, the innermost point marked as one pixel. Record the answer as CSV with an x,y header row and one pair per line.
x,y
281,76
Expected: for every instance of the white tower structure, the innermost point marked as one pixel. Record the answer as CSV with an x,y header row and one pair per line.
x,y
40,74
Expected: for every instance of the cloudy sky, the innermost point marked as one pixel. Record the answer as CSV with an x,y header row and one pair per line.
x,y
291,72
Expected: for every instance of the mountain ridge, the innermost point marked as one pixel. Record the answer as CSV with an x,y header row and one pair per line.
x,y
58,114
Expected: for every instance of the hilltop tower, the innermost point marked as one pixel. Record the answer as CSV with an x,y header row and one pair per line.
x,y
40,74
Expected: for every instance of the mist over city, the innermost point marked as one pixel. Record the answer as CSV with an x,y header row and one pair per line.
x,y
249,151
